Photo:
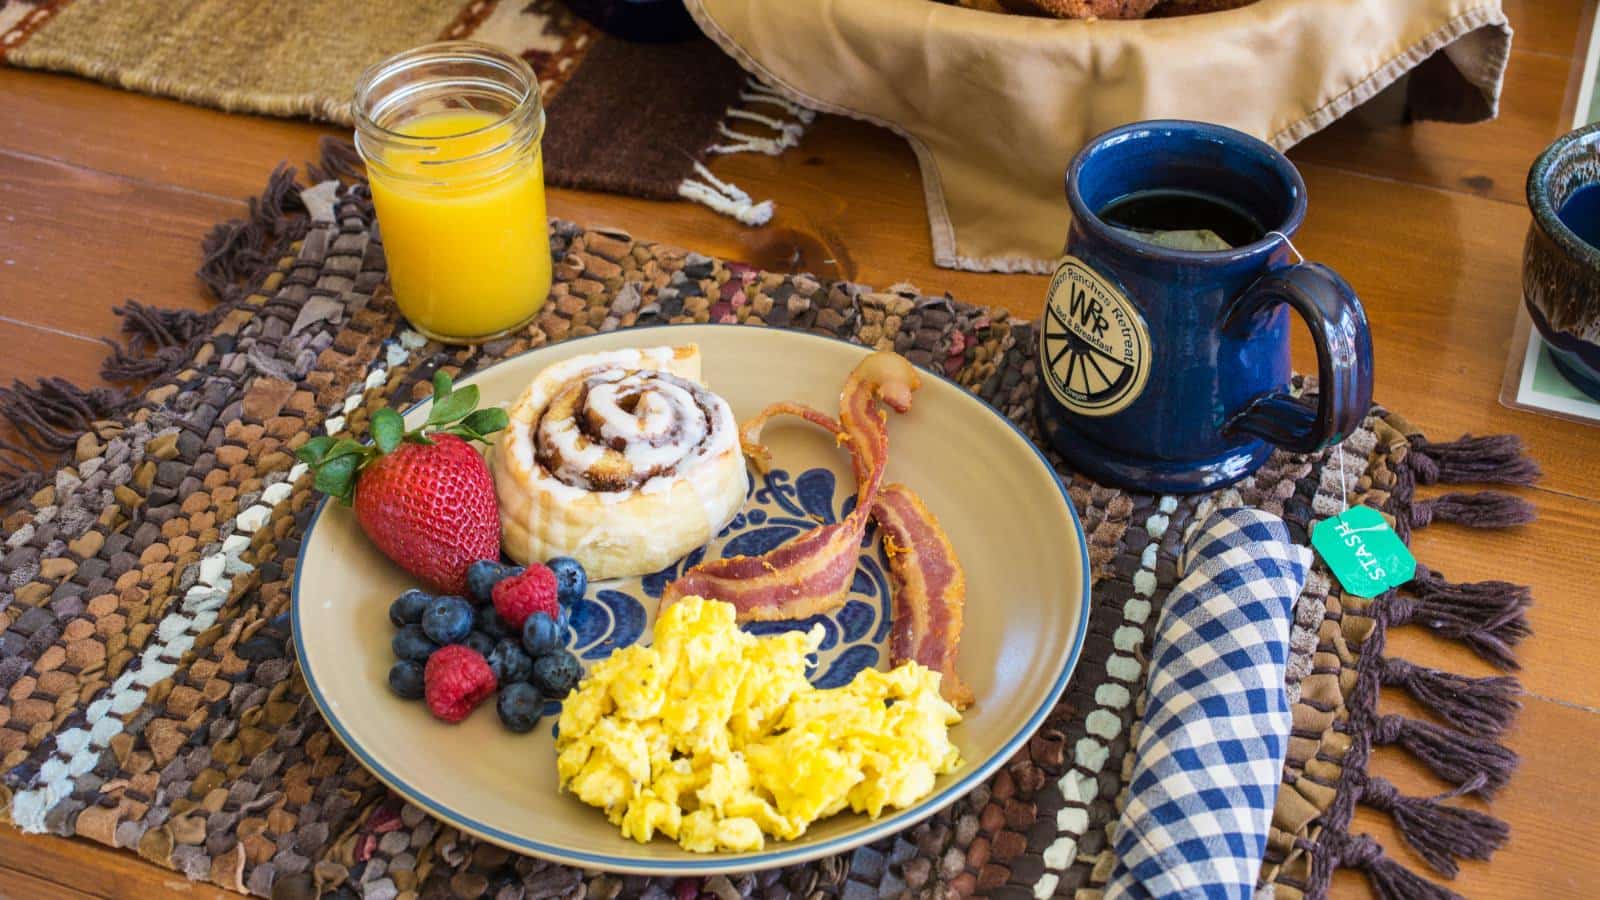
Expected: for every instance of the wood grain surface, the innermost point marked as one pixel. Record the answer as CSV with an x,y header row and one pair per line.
x,y
104,195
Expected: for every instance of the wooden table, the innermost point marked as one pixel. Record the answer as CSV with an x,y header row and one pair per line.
x,y
105,195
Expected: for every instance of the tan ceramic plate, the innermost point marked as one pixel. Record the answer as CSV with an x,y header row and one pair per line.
x,y
1006,512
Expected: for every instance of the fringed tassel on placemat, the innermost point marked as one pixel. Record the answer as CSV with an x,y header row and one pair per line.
x,y
760,109
1476,705
1490,617
1459,758
725,198
20,472
1496,459
340,161
158,341
1442,835
786,128
51,415
1389,879
1483,509
239,250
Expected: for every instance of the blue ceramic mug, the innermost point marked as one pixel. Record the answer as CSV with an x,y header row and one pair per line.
x,y
1167,370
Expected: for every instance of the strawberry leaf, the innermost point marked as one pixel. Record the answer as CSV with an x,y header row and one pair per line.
x,y
441,385
453,406
312,452
387,429
337,477
485,422
346,447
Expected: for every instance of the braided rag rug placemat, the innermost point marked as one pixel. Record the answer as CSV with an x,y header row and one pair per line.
x,y
149,699
684,101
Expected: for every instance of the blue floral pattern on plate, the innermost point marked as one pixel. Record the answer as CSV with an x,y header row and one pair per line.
x,y
777,508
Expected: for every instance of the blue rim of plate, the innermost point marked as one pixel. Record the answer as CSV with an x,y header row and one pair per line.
x,y
717,864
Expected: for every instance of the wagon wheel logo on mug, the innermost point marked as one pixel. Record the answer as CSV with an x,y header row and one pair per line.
x,y
1094,345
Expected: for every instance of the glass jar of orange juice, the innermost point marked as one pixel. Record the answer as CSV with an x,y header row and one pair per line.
x,y
450,135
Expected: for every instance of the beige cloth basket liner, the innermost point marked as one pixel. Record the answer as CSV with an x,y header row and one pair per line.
x,y
995,106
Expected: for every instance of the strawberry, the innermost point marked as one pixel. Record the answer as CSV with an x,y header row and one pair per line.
x,y
424,497
520,596
456,680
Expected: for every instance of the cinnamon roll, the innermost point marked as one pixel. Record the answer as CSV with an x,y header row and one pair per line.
x,y
622,460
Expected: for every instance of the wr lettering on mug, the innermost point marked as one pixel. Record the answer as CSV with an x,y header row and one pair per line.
x,y
1088,311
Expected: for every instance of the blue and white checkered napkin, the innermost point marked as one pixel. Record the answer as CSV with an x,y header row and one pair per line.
x,y
1216,722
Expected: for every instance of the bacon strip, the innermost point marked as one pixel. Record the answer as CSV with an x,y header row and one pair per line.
x,y
761,457
812,573
930,588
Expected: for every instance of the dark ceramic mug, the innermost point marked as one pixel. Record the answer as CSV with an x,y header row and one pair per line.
x,y
1560,272
1168,370
645,21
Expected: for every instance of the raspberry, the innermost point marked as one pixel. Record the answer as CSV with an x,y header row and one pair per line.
x,y
520,596
457,679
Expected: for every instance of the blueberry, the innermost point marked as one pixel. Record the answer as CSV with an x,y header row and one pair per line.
x,y
480,642
405,679
448,620
407,608
571,580
520,705
411,643
541,635
509,662
483,575
486,620
481,579
556,674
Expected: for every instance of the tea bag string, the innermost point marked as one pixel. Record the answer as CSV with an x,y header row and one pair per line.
x,y
1298,256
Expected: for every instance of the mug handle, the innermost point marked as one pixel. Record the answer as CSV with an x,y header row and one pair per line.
x,y
1344,358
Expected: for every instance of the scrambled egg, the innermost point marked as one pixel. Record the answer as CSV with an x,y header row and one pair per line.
x,y
714,737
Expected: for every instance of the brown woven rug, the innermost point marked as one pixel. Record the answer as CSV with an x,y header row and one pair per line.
x,y
149,699
681,101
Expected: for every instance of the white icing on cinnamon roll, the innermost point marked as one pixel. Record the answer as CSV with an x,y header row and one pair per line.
x,y
621,459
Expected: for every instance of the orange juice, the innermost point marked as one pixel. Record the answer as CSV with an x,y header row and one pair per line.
x,y
463,223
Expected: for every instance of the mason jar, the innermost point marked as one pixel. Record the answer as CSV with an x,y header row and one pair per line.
x,y
450,135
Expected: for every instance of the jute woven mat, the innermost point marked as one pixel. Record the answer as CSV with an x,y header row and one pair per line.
x,y
151,702
682,101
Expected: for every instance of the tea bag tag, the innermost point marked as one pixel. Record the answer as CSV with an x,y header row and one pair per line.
x,y
1361,548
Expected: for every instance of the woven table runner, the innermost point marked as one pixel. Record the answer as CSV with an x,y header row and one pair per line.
x,y
683,101
149,697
